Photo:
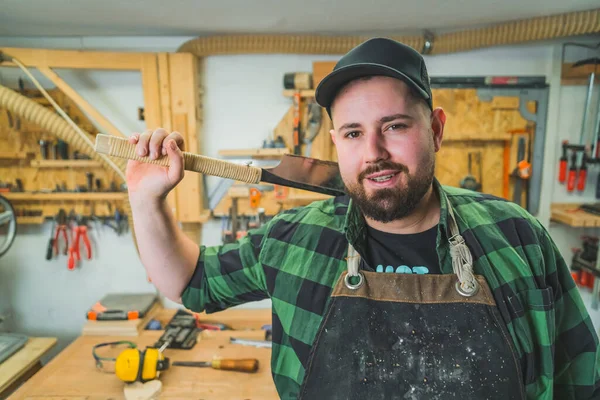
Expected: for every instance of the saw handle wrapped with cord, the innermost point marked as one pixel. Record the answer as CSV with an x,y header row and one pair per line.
x,y
120,147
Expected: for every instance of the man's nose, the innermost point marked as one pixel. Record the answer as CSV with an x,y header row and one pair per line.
x,y
375,150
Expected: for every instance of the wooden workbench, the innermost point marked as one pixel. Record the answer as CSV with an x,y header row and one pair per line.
x,y
72,374
23,364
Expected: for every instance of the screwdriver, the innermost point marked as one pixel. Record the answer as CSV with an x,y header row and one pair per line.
x,y
243,365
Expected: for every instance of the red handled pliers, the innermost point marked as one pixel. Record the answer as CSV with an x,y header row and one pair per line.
x,y
79,231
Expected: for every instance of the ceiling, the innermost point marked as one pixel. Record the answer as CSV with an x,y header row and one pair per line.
x,y
202,17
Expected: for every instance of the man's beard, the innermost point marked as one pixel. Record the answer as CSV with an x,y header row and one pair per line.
x,y
389,204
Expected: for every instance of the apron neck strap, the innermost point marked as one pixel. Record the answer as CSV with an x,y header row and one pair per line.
x,y
462,261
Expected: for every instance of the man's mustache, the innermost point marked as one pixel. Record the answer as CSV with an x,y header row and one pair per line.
x,y
382,166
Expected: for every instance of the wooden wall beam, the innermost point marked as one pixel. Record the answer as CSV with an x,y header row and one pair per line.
x,y
74,59
80,101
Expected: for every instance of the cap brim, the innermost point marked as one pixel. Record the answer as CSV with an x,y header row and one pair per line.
x,y
329,86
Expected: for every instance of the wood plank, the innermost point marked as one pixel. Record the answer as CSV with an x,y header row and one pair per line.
x,y
74,59
80,101
13,155
166,122
151,90
320,70
183,71
73,373
68,196
19,363
65,164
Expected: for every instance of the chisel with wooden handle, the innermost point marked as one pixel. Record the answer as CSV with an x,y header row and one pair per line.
x,y
293,171
244,365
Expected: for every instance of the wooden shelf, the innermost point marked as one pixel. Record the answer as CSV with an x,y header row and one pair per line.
x,y
30,220
255,153
303,93
67,196
570,214
578,75
13,155
66,164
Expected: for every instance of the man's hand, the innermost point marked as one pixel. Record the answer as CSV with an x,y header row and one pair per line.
x,y
147,182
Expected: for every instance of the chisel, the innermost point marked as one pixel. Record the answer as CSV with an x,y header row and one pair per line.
x,y
243,365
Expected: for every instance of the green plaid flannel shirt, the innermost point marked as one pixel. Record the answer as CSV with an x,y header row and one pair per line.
x,y
296,259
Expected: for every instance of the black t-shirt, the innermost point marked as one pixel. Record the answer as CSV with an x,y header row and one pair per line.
x,y
403,253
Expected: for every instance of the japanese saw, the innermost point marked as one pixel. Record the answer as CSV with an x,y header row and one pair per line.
x,y
294,171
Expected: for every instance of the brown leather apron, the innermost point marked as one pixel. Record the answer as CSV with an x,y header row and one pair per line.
x,y
412,336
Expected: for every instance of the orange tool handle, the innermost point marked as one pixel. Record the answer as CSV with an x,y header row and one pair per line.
x,y
562,172
71,263
571,181
243,365
581,180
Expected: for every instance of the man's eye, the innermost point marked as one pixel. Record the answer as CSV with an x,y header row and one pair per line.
x,y
352,134
398,126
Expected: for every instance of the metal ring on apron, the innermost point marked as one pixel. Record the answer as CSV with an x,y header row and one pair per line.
x,y
464,293
351,286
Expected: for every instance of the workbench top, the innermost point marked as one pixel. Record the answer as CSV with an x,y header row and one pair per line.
x,y
73,373
24,363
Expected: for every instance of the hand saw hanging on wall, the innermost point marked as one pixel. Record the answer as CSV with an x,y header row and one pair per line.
x,y
293,171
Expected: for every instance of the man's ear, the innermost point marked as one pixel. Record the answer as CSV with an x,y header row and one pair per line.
x,y
332,133
438,121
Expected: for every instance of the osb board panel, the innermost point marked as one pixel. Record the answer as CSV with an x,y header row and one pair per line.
x,y
22,136
467,115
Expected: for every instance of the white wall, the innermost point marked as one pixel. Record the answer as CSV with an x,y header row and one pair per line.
x,y
242,104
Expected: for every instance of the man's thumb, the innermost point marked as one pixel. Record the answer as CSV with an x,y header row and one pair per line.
x,y
175,162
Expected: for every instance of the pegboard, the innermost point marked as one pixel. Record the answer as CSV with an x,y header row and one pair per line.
x,y
43,180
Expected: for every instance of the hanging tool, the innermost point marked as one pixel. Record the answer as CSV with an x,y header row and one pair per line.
x,y
90,181
79,231
296,133
293,171
313,125
469,181
562,169
582,175
588,61
54,149
61,227
572,172
298,80
243,365
44,149
522,172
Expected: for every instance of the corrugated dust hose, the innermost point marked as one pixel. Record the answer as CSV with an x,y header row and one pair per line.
x,y
541,28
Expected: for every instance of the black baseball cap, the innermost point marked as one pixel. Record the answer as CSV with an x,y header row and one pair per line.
x,y
377,56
